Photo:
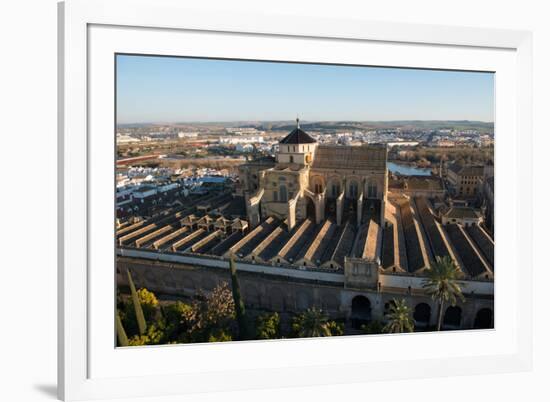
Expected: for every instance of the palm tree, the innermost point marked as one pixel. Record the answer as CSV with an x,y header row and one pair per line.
x,y
442,285
399,318
311,323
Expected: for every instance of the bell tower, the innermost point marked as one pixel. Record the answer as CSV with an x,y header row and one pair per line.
x,y
297,148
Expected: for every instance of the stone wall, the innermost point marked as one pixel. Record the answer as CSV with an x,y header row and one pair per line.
x,y
290,295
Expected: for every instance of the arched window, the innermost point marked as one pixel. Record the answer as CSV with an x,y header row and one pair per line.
x,y
335,190
372,190
353,189
317,185
283,193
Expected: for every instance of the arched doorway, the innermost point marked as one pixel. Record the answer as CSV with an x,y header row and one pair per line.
x,y
484,319
422,314
360,311
452,318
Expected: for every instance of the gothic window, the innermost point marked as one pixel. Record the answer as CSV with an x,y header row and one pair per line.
x,y
372,190
335,189
283,193
291,159
353,189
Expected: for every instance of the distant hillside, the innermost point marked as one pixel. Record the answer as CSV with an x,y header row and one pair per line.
x,y
402,124
332,125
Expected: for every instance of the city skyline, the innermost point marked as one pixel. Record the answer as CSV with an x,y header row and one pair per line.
x,y
173,89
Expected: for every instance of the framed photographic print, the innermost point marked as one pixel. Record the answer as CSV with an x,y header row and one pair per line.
x,y
282,201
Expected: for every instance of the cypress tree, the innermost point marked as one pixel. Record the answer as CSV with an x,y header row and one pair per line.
x,y
120,332
239,304
142,325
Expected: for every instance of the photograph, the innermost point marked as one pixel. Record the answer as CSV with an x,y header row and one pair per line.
x,y
260,200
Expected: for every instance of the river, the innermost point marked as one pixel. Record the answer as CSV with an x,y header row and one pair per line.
x,y
408,170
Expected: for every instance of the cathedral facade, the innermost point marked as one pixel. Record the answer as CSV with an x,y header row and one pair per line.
x,y
309,180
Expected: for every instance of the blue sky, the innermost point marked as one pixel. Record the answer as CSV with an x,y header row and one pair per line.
x,y
170,89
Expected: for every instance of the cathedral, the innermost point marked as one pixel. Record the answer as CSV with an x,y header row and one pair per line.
x,y
310,180
323,228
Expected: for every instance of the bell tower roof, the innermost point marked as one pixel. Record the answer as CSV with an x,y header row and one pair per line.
x,y
298,136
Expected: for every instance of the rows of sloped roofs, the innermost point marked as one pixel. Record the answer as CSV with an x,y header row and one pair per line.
x,y
168,215
204,245
344,245
245,246
325,245
167,229
469,256
188,241
223,246
388,251
315,250
483,242
423,238
359,242
272,246
147,228
301,257
435,239
291,249
415,258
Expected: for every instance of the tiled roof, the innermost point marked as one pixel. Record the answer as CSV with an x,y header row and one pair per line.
x,y
415,258
472,263
298,136
475,170
424,183
435,239
388,252
350,157
462,213
483,242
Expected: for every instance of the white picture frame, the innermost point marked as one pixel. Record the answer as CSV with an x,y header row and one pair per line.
x,y
90,31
